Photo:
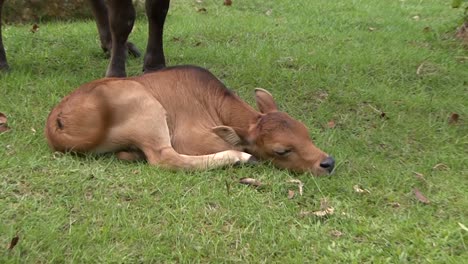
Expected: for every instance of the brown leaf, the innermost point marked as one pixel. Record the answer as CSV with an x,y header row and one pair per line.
x,y
291,194
420,196
202,10
331,124
336,233
372,29
394,204
34,28
227,2
269,12
440,166
300,185
427,29
3,123
13,242
419,176
323,213
250,181
453,119
358,189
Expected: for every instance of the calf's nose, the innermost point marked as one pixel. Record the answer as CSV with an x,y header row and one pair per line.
x,y
328,164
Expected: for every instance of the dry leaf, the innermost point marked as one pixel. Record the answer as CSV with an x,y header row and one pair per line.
x,y
136,172
372,29
33,130
250,181
419,176
34,28
463,226
268,12
419,69
199,1
323,213
453,119
427,29
202,10
336,233
440,166
394,204
13,242
291,194
227,2
420,196
416,18
331,124
300,185
3,123
358,189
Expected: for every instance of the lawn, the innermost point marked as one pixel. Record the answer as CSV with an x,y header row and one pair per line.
x,y
377,83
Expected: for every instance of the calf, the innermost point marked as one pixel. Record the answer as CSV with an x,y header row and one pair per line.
x,y
181,118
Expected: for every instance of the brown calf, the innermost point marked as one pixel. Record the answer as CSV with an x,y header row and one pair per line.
x,y
181,117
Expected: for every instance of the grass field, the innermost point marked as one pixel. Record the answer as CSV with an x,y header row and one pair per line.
x,y
375,81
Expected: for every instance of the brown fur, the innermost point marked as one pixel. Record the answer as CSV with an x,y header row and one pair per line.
x,y
180,117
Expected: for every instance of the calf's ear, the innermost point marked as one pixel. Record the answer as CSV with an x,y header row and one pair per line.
x,y
265,101
228,134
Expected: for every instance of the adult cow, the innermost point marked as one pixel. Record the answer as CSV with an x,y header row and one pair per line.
x,y
181,118
115,22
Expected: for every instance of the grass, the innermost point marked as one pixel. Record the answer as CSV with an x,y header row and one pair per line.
x,y
340,61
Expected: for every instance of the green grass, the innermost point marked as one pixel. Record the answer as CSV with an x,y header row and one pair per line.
x,y
322,60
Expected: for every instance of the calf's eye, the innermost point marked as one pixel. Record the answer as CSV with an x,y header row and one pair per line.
x,y
282,152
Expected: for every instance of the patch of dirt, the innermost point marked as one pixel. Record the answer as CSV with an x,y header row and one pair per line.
x,y
462,33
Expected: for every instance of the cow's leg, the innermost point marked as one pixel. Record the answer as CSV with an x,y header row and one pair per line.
x,y
121,19
101,15
156,10
3,59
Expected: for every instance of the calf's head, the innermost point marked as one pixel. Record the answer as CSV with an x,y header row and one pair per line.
x,y
277,137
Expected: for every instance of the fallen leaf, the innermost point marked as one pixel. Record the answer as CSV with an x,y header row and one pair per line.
x,y
136,172
323,213
202,10
453,119
175,39
416,18
199,1
358,189
3,123
419,176
394,204
268,12
227,2
34,28
13,242
250,181
372,29
427,29
331,124
463,226
440,166
420,196
300,185
33,130
382,114
197,44
419,69
291,194
336,233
